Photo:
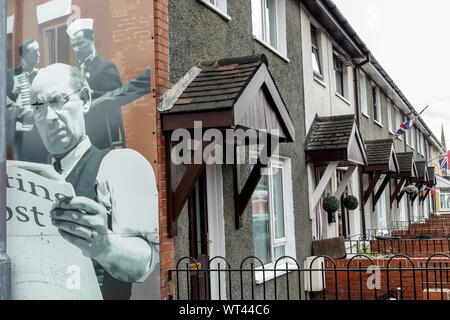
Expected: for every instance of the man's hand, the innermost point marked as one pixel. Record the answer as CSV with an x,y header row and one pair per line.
x,y
84,223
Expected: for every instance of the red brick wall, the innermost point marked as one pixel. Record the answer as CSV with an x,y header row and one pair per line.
x,y
355,281
162,84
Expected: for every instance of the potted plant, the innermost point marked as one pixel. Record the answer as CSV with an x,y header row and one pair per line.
x,y
350,202
411,189
331,205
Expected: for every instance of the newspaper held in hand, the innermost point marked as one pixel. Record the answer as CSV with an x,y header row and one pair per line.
x,y
44,265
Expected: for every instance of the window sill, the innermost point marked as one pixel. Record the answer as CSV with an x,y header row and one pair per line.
x,y
365,115
378,123
319,81
215,9
268,46
264,276
343,99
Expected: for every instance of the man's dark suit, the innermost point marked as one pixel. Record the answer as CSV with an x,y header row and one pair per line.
x,y
102,77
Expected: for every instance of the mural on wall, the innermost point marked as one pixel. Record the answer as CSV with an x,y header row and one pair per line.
x,y
82,199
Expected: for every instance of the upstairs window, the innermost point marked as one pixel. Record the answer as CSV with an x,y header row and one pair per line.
x,y
338,67
269,23
399,121
317,66
219,6
376,103
389,113
363,93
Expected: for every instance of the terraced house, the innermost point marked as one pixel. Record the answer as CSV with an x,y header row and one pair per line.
x,y
299,69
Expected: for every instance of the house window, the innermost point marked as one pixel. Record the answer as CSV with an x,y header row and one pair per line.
x,y
363,92
56,44
376,103
413,137
317,66
399,121
389,113
269,23
338,66
417,139
272,218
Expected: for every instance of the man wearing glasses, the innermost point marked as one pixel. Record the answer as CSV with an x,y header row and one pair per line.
x,y
114,217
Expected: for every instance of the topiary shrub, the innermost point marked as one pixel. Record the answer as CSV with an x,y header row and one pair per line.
x,y
350,202
331,205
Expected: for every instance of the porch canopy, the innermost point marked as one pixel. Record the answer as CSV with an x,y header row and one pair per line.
x,y
407,174
422,176
231,93
382,159
334,141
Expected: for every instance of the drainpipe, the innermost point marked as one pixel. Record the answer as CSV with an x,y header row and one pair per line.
x,y
5,263
408,196
358,124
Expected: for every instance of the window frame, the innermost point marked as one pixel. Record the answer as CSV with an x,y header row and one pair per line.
x,y
220,9
341,74
399,116
285,164
376,106
45,50
389,105
316,52
280,48
363,93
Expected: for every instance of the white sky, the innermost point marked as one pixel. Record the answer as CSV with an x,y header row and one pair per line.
x,y
411,40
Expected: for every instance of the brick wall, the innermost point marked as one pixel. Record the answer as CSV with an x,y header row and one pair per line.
x,y
161,85
352,284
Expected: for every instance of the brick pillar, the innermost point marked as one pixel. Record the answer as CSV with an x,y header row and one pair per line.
x,y
162,84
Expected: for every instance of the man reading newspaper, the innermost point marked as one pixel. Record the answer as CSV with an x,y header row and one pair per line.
x,y
113,218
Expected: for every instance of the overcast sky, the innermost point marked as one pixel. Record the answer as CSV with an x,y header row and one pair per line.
x,y
411,40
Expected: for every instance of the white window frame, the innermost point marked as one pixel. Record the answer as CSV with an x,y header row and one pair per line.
x,y
218,6
316,52
363,93
260,26
399,120
389,115
378,121
345,89
289,231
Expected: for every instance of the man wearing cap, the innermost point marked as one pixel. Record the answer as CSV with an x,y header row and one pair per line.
x,y
102,124
20,131
114,217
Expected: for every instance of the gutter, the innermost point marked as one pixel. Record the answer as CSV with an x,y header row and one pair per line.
x,y
5,263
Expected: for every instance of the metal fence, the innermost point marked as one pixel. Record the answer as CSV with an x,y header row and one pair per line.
x,y
359,277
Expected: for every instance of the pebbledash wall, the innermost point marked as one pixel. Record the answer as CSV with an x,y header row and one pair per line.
x,y
201,33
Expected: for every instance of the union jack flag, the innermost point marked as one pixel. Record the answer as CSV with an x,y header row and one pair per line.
x,y
408,124
405,126
443,160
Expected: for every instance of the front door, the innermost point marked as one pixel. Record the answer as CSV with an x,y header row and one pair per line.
x,y
198,240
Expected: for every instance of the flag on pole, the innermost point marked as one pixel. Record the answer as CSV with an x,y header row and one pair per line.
x,y
443,160
408,124
432,192
405,126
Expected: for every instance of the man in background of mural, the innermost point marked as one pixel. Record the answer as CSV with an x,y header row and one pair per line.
x,y
20,130
102,124
112,219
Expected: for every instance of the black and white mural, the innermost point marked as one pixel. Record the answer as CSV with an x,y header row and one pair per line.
x,y
82,208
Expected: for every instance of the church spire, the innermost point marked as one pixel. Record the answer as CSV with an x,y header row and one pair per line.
x,y
443,138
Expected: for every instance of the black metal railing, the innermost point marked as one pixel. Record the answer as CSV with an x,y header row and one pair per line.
x,y
361,277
